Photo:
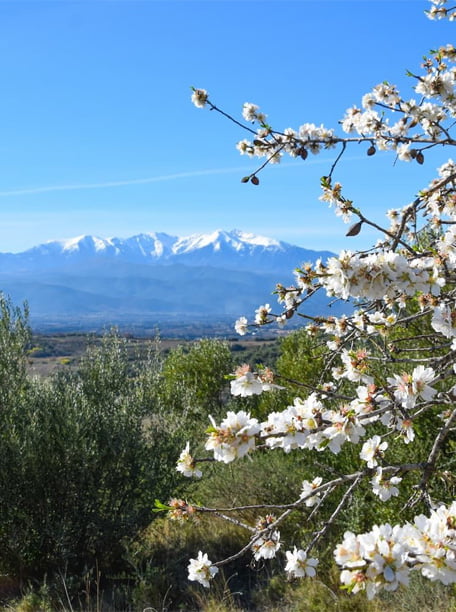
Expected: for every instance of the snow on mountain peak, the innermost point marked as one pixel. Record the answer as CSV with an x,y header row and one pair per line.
x,y
255,239
233,250
91,242
150,244
236,239
160,245
194,242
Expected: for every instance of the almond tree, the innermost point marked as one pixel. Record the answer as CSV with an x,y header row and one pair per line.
x,y
379,382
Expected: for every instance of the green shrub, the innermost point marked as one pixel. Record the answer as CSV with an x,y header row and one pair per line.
x,y
82,458
192,382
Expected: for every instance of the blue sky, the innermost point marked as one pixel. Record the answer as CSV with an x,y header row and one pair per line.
x,y
98,134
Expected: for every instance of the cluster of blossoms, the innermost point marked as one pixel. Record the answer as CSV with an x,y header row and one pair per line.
x,y
306,424
373,560
384,557
248,383
419,122
378,275
234,437
440,11
186,464
309,424
181,510
389,360
386,275
308,137
268,543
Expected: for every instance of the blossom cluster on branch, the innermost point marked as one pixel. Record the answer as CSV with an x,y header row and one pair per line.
x,y
388,363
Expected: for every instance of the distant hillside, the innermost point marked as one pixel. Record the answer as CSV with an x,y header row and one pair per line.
x,y
153,277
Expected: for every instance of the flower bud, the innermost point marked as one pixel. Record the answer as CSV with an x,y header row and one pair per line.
x,y
255,180
420,158
354,229
245,179
371,150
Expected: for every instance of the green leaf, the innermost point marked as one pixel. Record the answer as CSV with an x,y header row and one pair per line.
x,y
325,182
159,507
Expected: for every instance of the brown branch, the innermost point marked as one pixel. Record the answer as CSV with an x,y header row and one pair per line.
x,y
336,161
230,117
254,539
333,516
406,467
436,448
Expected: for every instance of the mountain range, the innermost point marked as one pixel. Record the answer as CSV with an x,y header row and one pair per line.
x,y
88,281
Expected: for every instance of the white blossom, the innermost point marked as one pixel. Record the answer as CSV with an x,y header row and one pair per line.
x,y
234,438
385,488
308,487
298,565
246,385
241,326
261,314
201,570
409,387
372,449
266,546
199,98
186,464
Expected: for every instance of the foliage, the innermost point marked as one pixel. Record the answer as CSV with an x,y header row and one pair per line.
x,y
81,460
83,455
192,380
14,340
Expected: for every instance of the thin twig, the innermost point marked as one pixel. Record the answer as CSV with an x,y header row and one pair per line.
x,y
406,467
333,516
436,448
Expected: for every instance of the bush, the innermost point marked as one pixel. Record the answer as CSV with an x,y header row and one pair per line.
x,y
192,381
82,457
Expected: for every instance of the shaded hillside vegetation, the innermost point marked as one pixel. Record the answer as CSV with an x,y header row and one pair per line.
x,y
86,450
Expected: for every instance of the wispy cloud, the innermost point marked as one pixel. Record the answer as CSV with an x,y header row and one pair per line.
x,y
151,179
106,184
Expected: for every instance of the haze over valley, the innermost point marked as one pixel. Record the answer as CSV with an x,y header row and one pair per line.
x,y
87,283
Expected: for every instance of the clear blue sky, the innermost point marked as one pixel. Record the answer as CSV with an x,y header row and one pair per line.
x,y
98,134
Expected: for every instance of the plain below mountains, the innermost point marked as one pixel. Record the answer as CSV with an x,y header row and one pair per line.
x,y
88,282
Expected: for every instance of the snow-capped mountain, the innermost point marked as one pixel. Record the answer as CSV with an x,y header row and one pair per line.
x,y
231,250
151,276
